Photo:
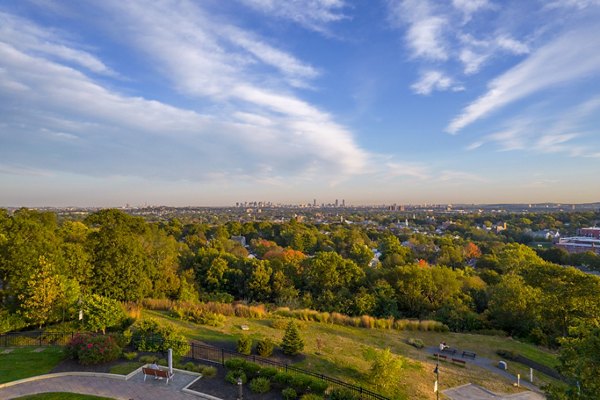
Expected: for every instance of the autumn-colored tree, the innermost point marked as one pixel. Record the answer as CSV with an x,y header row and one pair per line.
x,y
472,251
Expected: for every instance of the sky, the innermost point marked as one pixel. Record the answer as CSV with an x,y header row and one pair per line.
x,y
211,102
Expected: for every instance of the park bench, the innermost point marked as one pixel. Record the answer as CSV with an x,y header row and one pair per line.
x,y
459,361
443,357
449,350
469,354
157,373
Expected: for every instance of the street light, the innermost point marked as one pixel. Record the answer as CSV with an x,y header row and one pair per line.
x,y
436,371
240,394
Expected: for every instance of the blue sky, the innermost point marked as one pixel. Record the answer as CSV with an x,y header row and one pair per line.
x,y
210,102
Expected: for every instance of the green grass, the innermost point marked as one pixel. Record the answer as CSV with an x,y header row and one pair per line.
x,y
24,362
125,368
346,352
62,396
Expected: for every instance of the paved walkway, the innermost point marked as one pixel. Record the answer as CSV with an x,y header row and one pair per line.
x,y
103,385
474,392
489,365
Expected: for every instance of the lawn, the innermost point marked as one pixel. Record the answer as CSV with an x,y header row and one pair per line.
x,y
126,368
62,396
346,352
25,362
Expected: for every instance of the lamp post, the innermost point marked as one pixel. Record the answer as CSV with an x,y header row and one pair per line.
x,y
240,393
436,371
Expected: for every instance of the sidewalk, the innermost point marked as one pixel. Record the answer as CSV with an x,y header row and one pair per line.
x,y
102,385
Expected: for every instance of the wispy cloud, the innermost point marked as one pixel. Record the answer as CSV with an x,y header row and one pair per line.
x,y
425,29
555,63
469,7
430,81
314,15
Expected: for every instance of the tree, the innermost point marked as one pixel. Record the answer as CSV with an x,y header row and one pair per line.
x,y
100,313
42,291
292,343
385,369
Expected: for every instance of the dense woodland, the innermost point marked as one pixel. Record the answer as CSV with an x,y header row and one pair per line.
x,y
468,278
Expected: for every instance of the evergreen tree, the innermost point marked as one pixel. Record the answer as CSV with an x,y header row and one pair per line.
x,y
292,343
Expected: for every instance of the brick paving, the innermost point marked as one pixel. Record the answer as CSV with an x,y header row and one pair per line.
x,y
135,388
474,392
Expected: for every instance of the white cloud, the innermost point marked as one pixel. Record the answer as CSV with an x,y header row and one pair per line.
x,y
555,63
577,4
35,40
433,80
315,15
264,133
469,7
425,33
511,45
411,170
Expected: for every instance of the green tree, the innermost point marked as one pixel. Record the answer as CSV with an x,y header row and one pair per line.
x,y
385,369
43,290
292,342
101,312
259,283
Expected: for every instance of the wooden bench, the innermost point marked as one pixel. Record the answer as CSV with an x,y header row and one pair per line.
x,y
443,357
459,361
157,373
469,354
449,350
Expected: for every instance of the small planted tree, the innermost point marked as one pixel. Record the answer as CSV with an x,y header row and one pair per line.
x,y
385,368
244,345
292,343
264,348
100,313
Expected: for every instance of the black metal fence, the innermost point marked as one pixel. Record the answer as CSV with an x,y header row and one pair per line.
x,y
219,355
197,351
36,338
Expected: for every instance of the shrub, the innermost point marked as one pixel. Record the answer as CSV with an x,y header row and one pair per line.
x,y
208,371
311,396
283,378
152,336
234,363
342,394
101,313
508,354
264,348
10,322
148,359
130,355
289,394
260,385
279,323
244,345
268,372
93,349
232,377
418,343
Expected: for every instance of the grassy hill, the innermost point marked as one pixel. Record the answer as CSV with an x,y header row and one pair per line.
x,y
346,352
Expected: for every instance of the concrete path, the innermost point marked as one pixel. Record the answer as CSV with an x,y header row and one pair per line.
x,y
489,365
474,392
103,385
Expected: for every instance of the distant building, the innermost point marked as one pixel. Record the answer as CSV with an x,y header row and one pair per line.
x,y
590,232
544,234
579,244
240,239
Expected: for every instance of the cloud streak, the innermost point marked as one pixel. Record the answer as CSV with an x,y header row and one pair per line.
x,y
556,63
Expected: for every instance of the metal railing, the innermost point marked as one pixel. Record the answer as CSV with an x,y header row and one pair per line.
x,y
197,351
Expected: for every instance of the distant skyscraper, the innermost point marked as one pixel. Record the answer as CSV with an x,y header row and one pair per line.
x,y
314,202
343,203
336,202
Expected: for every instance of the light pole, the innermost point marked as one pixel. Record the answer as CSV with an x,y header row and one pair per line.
x,y
240,393
436,371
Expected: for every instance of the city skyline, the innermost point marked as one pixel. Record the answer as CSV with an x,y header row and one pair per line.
x,y
205,103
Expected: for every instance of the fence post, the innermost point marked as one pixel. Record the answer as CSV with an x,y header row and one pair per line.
x,y
286,367
222,356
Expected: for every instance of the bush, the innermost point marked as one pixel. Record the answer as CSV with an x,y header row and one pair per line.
x,y
311,396
155,337
234,363
265,347
130,355
244,345
342,394
11,322
289,394
260,385
232,377
279,323
268,372
418,343
283,378
93,349
208,371
508,354
148,359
